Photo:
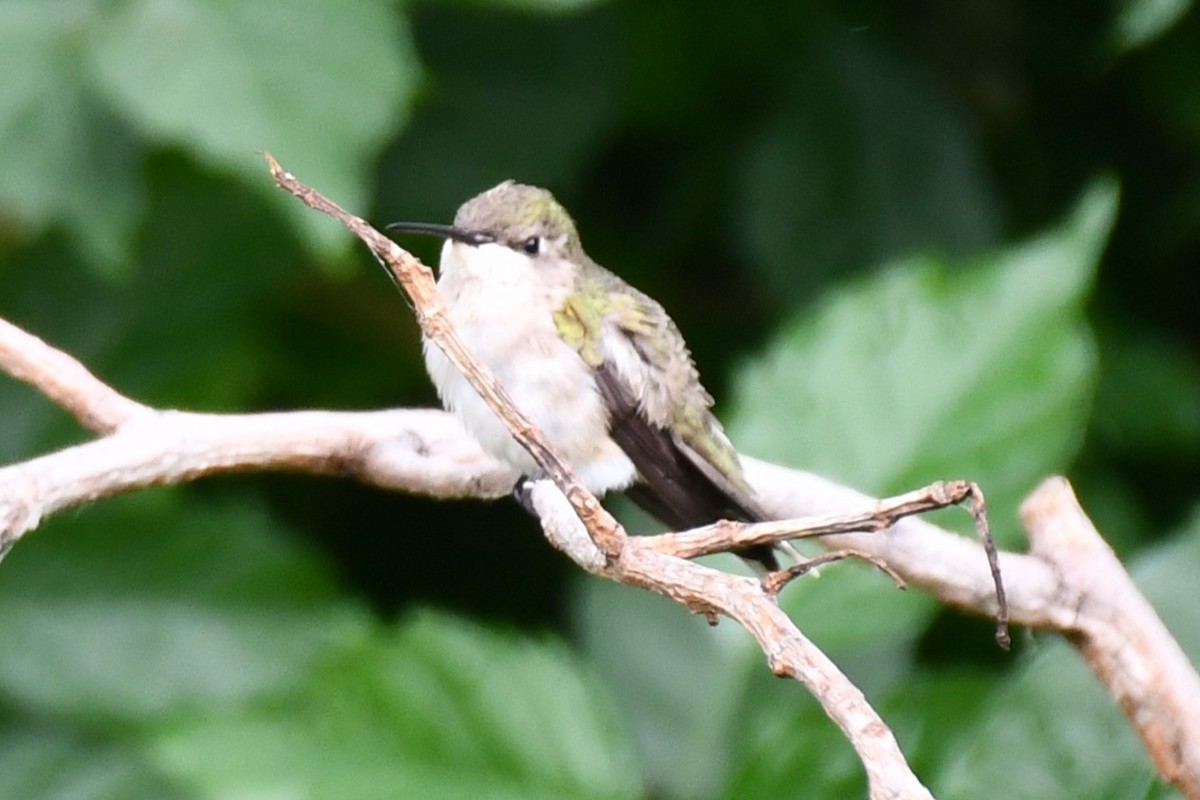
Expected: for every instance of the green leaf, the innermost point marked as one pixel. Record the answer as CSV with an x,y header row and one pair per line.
x,y
442,709
1135,367
677,680
1142,21
148,604
787,742
861,620
1056,722
928,371
38,762
321,85
863,162
1052,732
66,161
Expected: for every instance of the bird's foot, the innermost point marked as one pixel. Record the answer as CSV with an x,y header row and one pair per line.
x,y
522,492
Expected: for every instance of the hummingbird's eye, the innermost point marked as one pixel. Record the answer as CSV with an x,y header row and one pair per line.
x,y
531,245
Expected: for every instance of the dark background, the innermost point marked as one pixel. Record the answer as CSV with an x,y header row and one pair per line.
x,y
767,172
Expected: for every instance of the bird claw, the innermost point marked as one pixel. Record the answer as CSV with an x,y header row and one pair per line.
x,y
522,492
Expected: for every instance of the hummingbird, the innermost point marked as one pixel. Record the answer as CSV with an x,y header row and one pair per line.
x,y
597,365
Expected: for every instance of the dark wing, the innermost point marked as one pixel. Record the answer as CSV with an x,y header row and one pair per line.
x,y
679,486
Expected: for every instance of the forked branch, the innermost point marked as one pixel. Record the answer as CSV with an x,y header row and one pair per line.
x,y
627,561
1070,583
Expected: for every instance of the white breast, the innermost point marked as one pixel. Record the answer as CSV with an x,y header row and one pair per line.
x,y
503,312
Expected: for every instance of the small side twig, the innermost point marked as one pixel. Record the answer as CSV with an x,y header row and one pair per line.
x,y
776,581
984,528
882,516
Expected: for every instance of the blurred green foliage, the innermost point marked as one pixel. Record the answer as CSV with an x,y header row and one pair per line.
x,y
905,243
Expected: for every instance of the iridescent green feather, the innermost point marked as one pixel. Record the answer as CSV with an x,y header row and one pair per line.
x,y
605,298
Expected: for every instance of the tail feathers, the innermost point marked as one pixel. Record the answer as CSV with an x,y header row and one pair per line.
x,y
677,485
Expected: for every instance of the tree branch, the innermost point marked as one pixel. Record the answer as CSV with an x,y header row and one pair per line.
x,y
882,515
747,602
790,654
1119,635
1070,583
64,381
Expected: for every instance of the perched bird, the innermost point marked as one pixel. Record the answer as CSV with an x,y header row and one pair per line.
x,y
597,365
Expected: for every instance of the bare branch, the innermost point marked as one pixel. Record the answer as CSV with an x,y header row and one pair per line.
x,y
943,563
882,515
64,381
1119,635
696,587
414,450
1070,583
790,654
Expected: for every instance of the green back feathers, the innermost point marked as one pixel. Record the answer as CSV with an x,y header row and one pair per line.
x,y
672,397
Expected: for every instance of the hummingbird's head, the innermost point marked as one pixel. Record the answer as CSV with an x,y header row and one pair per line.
x,y
524,218
511,223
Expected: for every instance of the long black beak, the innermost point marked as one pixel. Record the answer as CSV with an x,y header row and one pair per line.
x,y
473,238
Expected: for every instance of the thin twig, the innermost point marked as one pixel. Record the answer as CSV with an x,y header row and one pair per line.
x,y
883,515
775,582
984,529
